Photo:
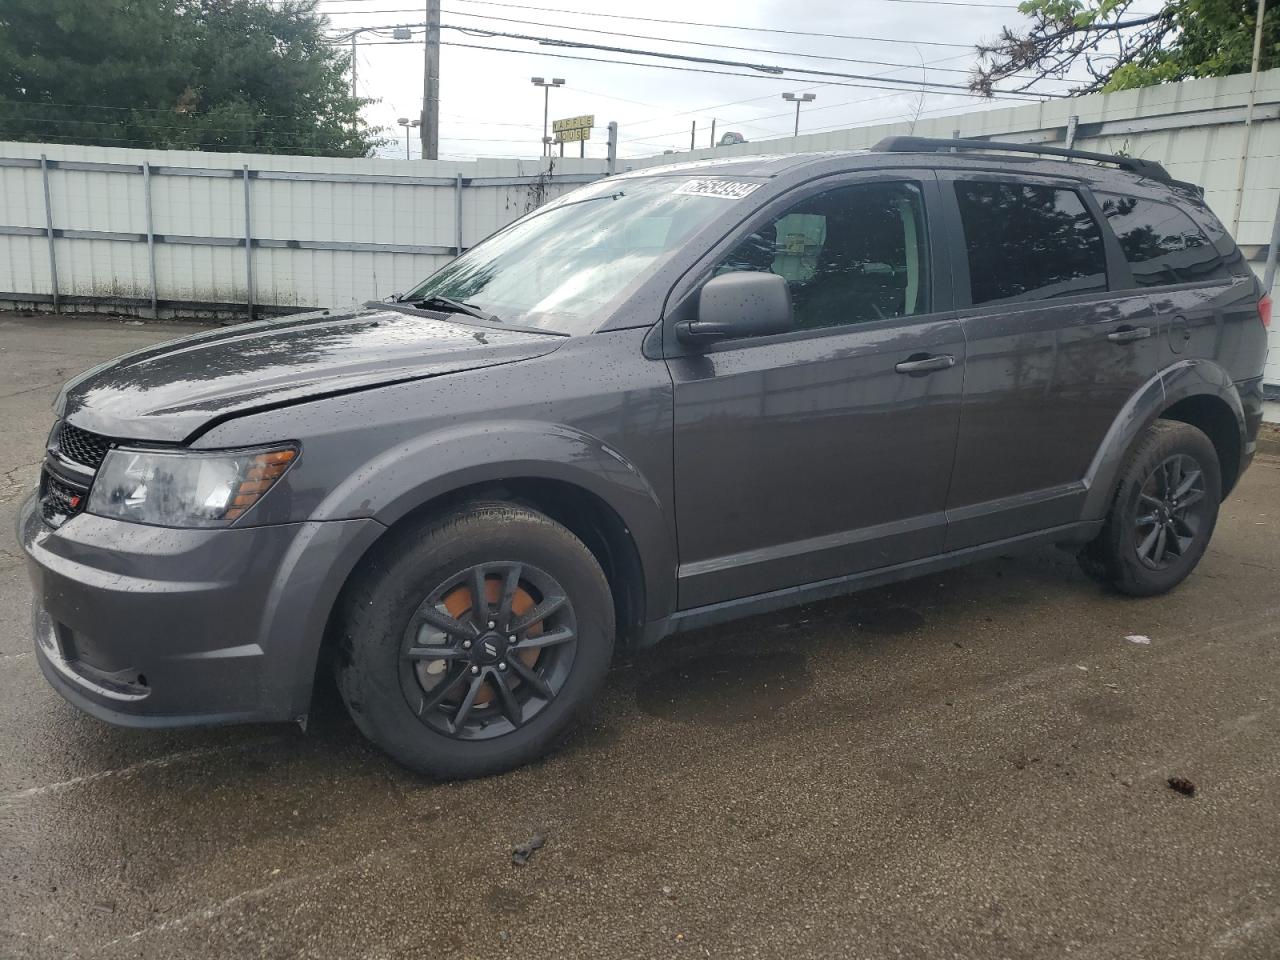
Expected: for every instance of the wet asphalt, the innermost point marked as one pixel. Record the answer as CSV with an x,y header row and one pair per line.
x,y
968,765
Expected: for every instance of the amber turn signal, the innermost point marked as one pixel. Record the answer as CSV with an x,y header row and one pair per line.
x,y
263,471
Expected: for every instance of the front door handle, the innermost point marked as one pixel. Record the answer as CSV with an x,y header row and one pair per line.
x,y
923,364
1129,334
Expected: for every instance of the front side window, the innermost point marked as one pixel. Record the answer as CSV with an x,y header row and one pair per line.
x,y
564,267
854,254
1028,242
1162,244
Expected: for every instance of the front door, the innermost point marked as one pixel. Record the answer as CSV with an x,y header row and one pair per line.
x,y
1055,351
827,450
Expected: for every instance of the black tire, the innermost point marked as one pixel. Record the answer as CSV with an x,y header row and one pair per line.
x,y
382,624
1130,553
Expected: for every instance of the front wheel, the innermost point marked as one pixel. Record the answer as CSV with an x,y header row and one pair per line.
x,y
471,642
1164,512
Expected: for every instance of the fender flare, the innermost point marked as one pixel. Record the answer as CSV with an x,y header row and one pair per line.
x,y
1186,378
403,478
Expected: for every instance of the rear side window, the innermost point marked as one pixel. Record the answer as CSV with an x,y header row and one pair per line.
x,y
1028,242
1162,244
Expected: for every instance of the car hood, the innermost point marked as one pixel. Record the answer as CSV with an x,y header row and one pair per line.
x,y
171,391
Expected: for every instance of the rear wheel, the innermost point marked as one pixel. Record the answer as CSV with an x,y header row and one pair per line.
x,y
1164,512
470,643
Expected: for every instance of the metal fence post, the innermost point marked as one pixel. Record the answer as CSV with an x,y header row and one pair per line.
x,y
457,216
248,245
1269,274
48,230
1073,124
151,238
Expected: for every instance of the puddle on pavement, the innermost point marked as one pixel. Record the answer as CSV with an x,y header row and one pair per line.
x,y
725,687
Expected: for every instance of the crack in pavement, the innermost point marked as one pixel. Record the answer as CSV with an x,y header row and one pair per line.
x,y
17,487
38,386
213,910
132,769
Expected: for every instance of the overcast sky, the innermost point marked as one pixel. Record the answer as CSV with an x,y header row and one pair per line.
x,y
489,107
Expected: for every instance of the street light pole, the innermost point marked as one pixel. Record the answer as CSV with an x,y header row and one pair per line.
x,y
397,33
799,98
408,125
355,123
546,106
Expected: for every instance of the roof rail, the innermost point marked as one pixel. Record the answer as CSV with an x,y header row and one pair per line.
x,y
1144,168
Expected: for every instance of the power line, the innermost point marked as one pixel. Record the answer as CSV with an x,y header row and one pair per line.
x,y
681,23
723,73
701,43
767,71
688,58
927,3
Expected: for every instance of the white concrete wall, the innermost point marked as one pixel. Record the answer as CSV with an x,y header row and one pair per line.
x,y
379,213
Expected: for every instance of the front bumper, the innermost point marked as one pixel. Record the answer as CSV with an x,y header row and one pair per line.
x,y
150,626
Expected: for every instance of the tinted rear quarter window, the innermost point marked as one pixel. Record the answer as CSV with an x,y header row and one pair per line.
x,y
1028,242
1162,243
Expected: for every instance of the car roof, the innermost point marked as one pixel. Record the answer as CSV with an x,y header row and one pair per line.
x,y
749,165
831,161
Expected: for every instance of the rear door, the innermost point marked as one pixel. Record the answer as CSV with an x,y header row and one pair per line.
x,y
1055,349
815,454
1207,309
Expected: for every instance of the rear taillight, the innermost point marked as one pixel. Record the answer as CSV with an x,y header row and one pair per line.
x,y
1264,312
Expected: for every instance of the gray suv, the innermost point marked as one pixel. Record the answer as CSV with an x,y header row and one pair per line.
x,y
668,399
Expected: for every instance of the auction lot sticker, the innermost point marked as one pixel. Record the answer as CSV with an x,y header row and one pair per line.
x,y
725,189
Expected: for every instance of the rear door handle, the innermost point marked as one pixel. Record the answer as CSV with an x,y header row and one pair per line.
x,y
1129,334
926,364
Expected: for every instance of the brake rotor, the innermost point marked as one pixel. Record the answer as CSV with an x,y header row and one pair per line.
x,y
458,602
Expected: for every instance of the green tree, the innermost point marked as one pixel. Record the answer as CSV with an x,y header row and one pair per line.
x,y
1118,49
239,75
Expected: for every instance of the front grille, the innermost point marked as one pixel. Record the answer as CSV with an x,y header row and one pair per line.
x,y
81,446
59,501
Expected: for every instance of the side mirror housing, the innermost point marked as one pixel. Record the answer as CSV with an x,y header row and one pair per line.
x,y
744,303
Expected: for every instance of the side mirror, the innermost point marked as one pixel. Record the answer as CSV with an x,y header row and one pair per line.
x,y
745,303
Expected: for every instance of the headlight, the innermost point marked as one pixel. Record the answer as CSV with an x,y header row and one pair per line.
x,y
190,488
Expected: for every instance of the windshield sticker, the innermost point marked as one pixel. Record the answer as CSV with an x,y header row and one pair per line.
x,y
725,189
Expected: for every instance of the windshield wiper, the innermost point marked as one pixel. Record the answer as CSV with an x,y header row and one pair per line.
x,y
454,306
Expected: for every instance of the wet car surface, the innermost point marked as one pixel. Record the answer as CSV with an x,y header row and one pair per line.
x,y
973,764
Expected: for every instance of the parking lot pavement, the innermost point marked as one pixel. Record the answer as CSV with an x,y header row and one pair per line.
x,y
968,765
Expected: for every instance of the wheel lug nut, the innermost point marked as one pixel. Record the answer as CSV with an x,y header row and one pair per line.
x,y
466,644
475,669
511,639
490,624
502,666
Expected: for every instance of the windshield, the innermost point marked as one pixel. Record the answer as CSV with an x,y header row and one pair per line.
x,y
563,267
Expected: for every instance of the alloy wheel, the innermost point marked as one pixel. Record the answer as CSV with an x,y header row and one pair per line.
x,y
487,650
1170,512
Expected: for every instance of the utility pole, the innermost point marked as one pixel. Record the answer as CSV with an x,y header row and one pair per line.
x,y
711,141
431,84
693,136
799,98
